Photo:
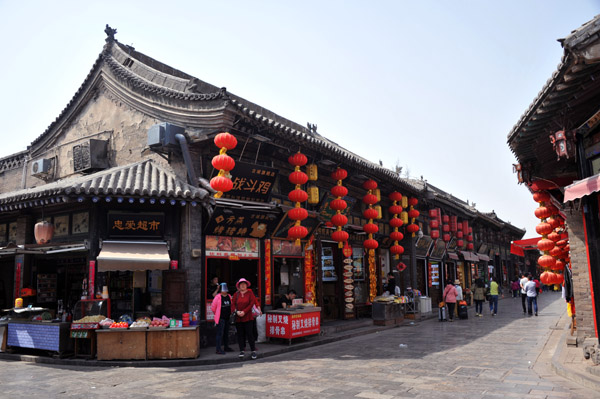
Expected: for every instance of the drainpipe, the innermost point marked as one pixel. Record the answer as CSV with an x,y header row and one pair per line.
x,y
187,159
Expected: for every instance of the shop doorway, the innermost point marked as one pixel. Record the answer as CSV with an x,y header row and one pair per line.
x,y
230,271
330,269
7,276
288,274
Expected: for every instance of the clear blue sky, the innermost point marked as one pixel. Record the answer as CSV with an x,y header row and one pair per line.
x,y
433,85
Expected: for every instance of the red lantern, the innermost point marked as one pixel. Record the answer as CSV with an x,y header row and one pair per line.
x,y
541,196
545,278
298,196
397,250
221,184
339,191
560,265
446,237
396,196
433,213
459,234
224,162
298,178
340,236
435,234
412,228
546,261
413,201
554,222
225,140
370,228
396,235
542,212
545,244
543,228
446,219
370,185
434,224
297,233
338,204
460,243
470,238
339,174
554,236
560,278
347,251
339,220
43,232
370,244
370,199
453,223
556,252
446,228
470,246
561,243
413,214
370,213
298,159
553,209
395,209
297,214
396,222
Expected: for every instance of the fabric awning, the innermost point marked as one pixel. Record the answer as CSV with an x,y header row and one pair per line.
x,y
483,257
453,255
131,255
470,256
516,250
582,188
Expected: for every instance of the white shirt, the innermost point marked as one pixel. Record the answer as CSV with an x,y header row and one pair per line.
x,y
524,281
459,293
531,289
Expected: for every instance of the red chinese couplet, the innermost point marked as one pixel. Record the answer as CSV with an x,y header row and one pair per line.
x,y
92,279
293,325
18,280
267,272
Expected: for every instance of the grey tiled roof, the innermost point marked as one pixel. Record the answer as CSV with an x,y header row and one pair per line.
x,y
141,179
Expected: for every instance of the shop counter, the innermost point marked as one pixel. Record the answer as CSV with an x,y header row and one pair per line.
x,y
173,343
387,313
293,323
39,335
121,344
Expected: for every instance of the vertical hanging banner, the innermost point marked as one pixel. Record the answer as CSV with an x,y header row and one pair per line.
x,y
309,275
92,279
18,279
267,272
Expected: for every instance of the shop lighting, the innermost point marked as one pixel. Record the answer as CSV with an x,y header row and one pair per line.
x,y
120,200
95,199
152,201
80,199
194,203
142,200
131,200
182,203
108,199
172,202
163,201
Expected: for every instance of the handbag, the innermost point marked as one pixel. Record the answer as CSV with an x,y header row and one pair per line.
x,y
232,317
256,311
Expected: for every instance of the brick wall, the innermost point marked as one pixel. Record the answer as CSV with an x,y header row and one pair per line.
x,y
581,277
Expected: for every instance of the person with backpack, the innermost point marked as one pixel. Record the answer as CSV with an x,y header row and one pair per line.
x,y
243,301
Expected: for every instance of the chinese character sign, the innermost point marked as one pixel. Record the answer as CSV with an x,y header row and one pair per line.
x,y
251,182
136,225
232,222
293,325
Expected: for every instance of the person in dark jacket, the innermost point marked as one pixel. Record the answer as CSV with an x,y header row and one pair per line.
x,y
243,300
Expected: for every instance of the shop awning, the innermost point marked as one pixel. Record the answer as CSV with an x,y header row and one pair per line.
x,y
582,188
483,257
470,256
453,255
131,255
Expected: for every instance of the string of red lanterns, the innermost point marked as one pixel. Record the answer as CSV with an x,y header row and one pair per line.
x,y
222,183
298,214
413,214
434,224
396,222
371,228
338,205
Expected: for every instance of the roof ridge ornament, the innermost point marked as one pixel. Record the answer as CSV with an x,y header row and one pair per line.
x,y
110,33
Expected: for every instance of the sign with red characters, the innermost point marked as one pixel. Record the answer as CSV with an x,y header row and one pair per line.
x,y
293,325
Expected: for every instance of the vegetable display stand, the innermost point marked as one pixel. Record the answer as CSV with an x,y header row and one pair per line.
x,y
121,344
173,343
293,323
84,335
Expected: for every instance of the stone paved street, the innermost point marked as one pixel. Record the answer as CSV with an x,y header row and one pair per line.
x,y
490,357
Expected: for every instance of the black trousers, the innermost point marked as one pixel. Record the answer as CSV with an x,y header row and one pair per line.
x,y
524,301
451,306
244,331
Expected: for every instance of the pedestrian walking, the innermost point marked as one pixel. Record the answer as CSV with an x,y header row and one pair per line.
x,y
532,292
221,307
479,297
243,300
459,293
494,292
515,286
450,298
522,283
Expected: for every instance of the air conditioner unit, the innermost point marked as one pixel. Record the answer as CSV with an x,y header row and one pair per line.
x,y
41,168
163,135
91,155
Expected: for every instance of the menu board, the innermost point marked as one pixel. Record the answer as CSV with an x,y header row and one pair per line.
x,y
434,274
327,265
231,246
357,264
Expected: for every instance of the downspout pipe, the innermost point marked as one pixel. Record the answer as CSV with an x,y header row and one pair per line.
x,y
187,159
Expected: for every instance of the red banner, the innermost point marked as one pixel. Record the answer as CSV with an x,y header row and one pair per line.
x,y
267,272
293,325
309,275
92,279
18,280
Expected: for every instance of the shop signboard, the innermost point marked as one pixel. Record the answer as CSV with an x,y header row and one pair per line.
x,y
234,222
293,325
483,249
3,231
138,225
438,250
434,274
423,245
228,247
286,248
251,182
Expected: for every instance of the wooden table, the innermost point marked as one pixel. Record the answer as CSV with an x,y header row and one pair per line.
x,y
121,344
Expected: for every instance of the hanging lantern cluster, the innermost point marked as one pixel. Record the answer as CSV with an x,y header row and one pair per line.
x,y
338,205
413,214
222,183
551,259
470,245
297,232
434,224
371,228
396,222
445,228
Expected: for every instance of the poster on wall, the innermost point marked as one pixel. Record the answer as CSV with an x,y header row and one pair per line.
x,y
328,266
231,246
434,274
286,248
358,267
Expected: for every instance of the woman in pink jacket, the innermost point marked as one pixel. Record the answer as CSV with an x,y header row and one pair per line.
x,y
221,307
450,294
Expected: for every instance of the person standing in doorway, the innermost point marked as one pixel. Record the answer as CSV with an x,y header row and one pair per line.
x,y
532,291
213,287
450,298
221,307
494,292
243,300
479,297
524,280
